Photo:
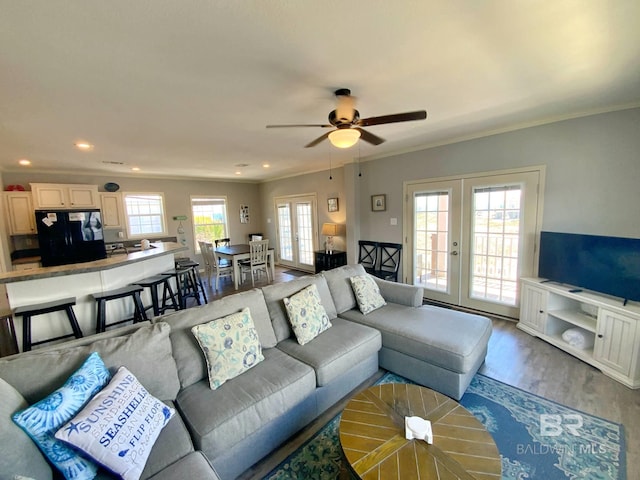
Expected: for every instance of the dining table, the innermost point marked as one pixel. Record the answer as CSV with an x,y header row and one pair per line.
x,y
236,253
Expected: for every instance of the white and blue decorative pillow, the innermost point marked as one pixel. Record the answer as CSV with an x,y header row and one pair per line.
x,y
41,420
231,346
307,316
367,293
119,426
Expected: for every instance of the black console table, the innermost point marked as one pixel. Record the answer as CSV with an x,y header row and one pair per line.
x,y
327,261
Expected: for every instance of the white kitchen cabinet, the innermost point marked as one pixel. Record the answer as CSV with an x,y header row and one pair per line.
x,y
19,211
64,196
548,310
112,213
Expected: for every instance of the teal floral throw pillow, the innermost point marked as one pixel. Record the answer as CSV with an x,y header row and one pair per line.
x,y
367,293
42,419
231,346
307,316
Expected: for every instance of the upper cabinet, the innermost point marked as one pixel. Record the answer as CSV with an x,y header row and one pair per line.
x,y
53,195
112,214
19,211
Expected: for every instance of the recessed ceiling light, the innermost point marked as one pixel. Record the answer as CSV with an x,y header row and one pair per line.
x,y
83,146
24,162
135,169
266,165
238,172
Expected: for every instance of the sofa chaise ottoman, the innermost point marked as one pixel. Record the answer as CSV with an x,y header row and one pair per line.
x,y
436,347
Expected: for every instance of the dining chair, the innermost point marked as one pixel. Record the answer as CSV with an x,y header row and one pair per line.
x,y
257,260
390,254
368,255
213,266
223,242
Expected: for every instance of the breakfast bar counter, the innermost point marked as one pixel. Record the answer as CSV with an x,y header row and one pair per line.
x,y
81,280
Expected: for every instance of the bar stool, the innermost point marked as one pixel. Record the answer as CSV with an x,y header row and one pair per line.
x,y
102,298
167,294
188,281
28,311
8,342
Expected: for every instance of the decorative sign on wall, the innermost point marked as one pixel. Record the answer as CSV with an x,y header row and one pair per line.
x,y
244,213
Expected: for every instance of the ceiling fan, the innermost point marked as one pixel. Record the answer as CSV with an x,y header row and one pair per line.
x,y
347,122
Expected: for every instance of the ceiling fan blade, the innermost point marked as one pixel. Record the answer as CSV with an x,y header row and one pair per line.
x,y
302,125
395,118
318,140
370,137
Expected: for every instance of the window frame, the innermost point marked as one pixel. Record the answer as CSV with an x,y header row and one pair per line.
x,y
225,224
163,215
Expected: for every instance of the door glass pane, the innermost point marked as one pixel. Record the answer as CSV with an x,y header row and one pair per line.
x,y
431,241
284,226
496,236
305,233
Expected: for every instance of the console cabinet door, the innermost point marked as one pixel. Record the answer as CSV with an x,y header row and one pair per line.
x,y
20,214
615,341
533,307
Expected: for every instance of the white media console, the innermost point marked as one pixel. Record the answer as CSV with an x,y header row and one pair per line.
x,y
547,310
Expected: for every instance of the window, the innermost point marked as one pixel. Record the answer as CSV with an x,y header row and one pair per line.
x,y
145,214
209,219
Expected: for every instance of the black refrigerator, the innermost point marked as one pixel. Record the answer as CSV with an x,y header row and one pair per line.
x,y
70,236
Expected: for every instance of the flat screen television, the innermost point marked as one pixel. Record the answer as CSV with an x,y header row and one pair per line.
x,y
609,265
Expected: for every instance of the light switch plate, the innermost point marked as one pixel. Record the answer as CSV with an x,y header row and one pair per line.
x,y
393,221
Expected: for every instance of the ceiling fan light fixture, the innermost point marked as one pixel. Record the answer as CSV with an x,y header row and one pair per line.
x,y
344,137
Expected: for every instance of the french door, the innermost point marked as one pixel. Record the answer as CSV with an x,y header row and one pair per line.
x,y
296,220
472,238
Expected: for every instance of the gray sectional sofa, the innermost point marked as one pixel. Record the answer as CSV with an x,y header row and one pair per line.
x,y
220,433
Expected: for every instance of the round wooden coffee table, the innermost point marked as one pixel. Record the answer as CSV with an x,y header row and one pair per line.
x,y
372,436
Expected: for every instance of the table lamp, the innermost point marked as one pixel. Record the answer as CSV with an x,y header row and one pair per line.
x,y
329,229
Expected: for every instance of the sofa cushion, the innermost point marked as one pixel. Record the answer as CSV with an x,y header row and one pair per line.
x,y
336,350
194,466
119,426
274,295
306,314
42,420
230,346
340,286
150,342
186,351
20,456
440,336
367,293
218,419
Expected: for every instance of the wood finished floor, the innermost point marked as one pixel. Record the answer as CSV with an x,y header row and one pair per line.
x,y
516,359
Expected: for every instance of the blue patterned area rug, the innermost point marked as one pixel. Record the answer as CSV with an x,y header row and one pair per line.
x,y
537,439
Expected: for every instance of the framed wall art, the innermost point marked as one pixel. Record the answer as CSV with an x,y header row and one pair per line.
x,y
378,203
332,204
244,213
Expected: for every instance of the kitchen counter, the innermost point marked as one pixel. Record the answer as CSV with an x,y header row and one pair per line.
x,y
82,280
114,261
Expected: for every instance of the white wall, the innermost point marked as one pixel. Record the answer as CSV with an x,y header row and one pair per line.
x,y
318,183
177,195
592,175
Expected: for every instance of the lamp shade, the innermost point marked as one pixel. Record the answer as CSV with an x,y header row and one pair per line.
x,y
344,137
329,229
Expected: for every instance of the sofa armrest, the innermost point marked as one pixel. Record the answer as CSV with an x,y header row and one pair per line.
x,y
401,293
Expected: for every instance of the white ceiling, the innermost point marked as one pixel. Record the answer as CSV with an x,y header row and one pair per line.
x,y
185,88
